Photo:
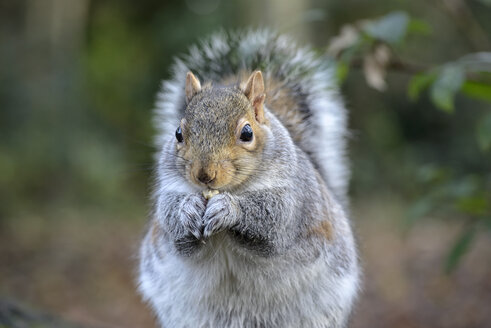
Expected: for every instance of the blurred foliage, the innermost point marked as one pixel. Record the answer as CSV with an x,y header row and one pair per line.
x,y
379,45
77,86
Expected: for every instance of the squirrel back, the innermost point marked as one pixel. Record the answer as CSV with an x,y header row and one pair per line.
x,y
300,92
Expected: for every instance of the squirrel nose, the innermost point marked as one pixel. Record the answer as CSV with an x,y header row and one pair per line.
x,y
205,177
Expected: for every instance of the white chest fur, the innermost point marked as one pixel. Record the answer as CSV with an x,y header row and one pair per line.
x,y
227,288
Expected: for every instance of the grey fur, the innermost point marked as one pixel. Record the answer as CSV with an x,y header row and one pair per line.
x,y
253,256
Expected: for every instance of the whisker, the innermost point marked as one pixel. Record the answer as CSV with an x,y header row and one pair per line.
x,y
175,155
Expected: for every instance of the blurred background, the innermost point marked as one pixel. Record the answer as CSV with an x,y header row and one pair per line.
x,y
77,86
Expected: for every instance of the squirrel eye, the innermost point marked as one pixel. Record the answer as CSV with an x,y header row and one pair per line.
x,y
179,135
246,133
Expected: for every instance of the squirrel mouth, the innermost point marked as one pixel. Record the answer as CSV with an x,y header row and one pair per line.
x,y
209,193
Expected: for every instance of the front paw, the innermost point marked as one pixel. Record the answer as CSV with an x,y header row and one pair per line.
x,y
221,213
191,213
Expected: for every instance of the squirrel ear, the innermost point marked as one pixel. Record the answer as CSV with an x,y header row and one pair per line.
x,y
254,91
254,85
193,86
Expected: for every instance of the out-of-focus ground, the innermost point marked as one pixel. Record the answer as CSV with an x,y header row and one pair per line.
x,y
84,269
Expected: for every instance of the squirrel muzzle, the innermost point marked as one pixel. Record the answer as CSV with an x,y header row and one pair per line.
x,y
211,174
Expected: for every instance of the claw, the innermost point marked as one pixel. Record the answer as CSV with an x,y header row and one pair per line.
x,y
191,214
209,229
195,233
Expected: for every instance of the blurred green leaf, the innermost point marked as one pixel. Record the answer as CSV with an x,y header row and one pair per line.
x,y
463,187
486,2
447,83
484,133
342,70
476,62
418,83
460,247
390,28
418,26
477,90
431,174
477,205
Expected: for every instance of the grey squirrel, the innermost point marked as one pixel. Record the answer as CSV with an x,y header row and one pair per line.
x,y
248,227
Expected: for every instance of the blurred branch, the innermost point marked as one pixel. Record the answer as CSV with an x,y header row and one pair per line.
x,y
396,65
371,45
467,23
410,68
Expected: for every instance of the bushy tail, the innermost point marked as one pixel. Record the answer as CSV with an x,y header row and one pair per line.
x,y
321,129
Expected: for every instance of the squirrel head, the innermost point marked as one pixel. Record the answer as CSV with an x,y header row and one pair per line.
x,y
220,139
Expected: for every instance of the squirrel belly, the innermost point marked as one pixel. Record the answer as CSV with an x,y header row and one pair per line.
x,y
248,227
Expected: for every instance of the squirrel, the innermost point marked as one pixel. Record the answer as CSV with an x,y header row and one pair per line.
x,y
249,224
